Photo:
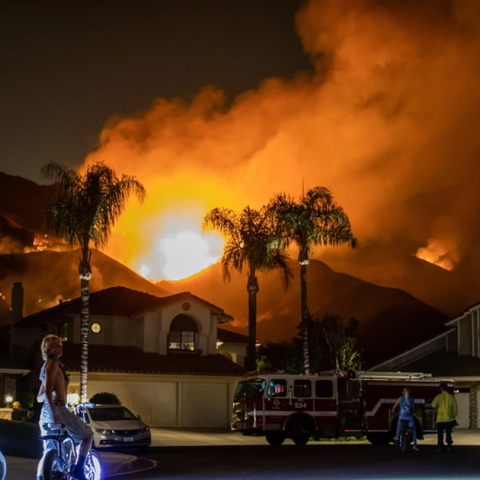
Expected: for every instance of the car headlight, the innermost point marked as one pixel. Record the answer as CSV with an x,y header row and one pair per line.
x,y
144,429
103,431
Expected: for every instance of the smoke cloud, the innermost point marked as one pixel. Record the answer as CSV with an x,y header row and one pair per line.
x,y
388,121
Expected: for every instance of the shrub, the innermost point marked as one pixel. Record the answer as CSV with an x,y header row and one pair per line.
x,y
105,398
26,399
25,406
20,439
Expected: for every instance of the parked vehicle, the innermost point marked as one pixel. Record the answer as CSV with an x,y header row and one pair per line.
x,y
329,405
115,427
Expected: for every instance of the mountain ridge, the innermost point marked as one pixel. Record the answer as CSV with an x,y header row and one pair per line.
x,y
391,319
384,311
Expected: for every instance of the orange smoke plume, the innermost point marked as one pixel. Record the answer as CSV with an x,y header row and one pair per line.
x,y
387,121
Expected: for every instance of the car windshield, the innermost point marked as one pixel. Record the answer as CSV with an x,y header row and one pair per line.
x,y
106,414
250,388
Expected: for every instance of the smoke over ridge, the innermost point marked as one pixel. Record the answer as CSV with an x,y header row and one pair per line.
x,y
388,121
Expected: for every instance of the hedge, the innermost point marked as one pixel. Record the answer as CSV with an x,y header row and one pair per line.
x,y
20,439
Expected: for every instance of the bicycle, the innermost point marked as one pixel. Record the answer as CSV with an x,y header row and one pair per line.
x,y
58,463
3,466
404,437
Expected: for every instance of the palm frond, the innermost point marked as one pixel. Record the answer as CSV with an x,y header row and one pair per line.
x,y
86,208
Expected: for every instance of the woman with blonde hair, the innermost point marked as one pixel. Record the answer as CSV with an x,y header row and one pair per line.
x,y
53,395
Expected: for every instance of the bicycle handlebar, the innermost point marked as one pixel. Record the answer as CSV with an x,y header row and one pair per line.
x,y
54,426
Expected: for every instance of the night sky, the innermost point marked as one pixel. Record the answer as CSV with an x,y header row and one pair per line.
x,y
224,103
68,66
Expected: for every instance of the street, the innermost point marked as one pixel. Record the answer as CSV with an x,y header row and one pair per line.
x,y
327,461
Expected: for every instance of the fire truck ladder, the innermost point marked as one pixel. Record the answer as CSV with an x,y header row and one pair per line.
x,y
392,375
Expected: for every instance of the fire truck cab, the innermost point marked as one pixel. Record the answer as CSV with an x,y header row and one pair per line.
x,y
330,405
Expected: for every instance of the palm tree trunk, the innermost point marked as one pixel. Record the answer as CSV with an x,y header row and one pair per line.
x,y
252,289
305,315
85,274
84,328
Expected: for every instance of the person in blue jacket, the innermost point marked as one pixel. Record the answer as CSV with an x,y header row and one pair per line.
x,y
406,404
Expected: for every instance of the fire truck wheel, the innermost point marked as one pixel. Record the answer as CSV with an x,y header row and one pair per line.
x,y
275,438
301,430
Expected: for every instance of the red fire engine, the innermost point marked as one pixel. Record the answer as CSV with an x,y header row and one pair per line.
x,y
330,405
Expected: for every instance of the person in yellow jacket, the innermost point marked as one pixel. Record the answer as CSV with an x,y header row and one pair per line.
x,y
447,409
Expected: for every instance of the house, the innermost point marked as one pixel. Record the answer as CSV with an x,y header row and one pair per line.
x,y
9,374
157,354
454,354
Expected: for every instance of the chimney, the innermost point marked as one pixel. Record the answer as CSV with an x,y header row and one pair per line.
x,y
17,302
17,315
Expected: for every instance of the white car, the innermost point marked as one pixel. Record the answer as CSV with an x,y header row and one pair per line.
x,y
115,426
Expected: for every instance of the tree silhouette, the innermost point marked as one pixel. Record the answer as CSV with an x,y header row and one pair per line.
x,y
252,243
84,210
315,219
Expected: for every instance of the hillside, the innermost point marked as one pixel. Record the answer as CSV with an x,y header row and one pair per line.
x,y
49,277
22,211
23,203
391,320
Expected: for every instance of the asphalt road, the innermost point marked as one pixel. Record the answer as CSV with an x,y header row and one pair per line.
x,y
324,461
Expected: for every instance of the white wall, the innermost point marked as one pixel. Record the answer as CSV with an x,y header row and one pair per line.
x,y
463,417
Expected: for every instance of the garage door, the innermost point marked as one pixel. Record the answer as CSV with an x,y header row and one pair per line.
x,y
155,403
119,389
205,405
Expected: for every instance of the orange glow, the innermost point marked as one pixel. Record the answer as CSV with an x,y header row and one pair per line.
x,y
388,107
180,250
436,254
163,239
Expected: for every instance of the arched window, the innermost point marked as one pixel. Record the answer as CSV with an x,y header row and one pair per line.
x,y
183,334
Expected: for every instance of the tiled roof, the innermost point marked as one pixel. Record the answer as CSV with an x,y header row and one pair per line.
x,y
226,336
128,359
6,364
121,301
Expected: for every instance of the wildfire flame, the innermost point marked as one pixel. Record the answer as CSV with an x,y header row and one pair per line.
x,y
436,254
180,251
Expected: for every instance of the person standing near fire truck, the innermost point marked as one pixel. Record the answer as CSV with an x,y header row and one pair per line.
x,y
406,404
447,409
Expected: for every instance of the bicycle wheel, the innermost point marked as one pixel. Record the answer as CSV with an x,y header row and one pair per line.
x,y
93,466
3,467
53,466
404,440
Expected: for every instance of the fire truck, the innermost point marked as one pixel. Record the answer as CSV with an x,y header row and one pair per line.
x,y
331,405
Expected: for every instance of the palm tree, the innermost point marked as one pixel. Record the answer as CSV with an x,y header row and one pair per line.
x,y
315,219
251,243
84,210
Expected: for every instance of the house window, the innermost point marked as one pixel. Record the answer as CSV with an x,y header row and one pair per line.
x,y
63,331
183,334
